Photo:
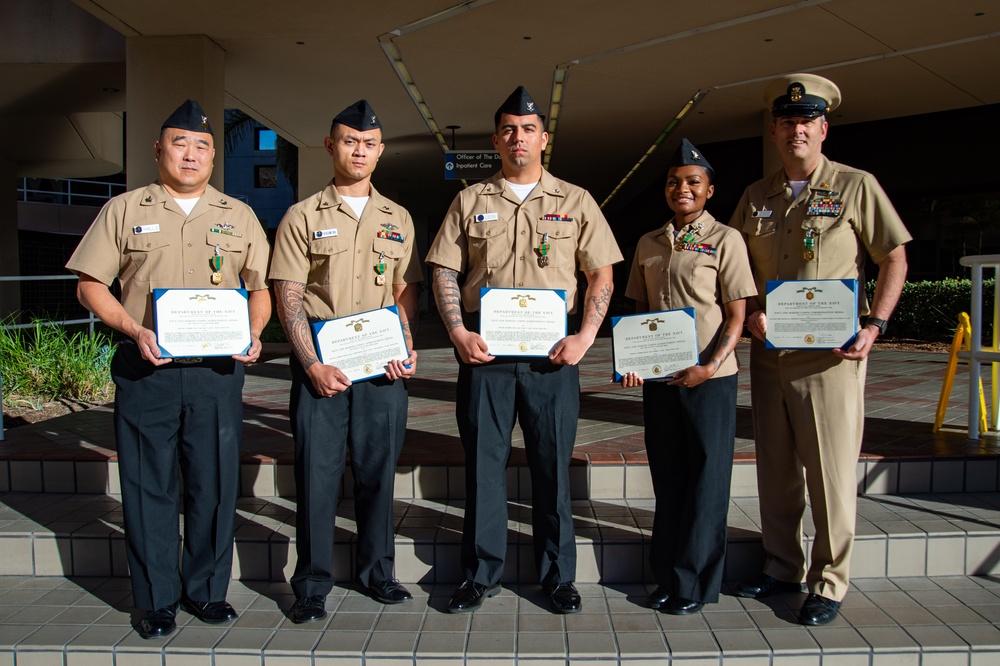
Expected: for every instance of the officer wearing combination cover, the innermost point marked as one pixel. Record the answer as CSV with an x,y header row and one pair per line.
x,y
345,250
176,232
521,228
813,219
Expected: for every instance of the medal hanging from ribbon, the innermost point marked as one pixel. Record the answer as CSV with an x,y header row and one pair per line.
x,y
216,263
686,241
380,270
543,251
809,242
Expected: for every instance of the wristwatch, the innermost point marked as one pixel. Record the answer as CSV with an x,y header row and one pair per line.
x,y
880,324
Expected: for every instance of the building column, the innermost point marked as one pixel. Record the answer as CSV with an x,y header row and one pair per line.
x,y
160,73
10,263
315,169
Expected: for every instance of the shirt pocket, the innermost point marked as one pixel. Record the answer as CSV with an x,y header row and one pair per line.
x,y
329,261
488,244
393,252
835,238
232,249
144,255
761,236
562,241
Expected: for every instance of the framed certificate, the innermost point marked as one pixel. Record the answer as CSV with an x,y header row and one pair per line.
x,y
811,314
521,322
654,345
201,322
361,345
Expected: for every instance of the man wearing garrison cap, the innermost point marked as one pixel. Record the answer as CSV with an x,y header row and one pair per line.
x,y
343,251
178,232
523,228
813,219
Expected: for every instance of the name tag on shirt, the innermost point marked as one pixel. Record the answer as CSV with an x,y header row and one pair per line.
x,y
487,217
761,213
324,233
146,229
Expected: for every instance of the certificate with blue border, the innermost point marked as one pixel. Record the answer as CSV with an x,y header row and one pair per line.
x,y
811,314
361,345
654,345
201,322
521,322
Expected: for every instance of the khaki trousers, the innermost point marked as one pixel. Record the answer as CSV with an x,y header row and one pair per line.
x,y
808,413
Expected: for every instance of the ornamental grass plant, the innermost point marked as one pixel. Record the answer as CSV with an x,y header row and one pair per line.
x,y
46,362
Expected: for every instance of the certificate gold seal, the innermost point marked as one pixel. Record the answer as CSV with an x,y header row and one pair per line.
x,y
523,346
368,368
657,369
809,339
810,295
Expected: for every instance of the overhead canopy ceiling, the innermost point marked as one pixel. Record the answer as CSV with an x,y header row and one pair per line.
x,y
630,66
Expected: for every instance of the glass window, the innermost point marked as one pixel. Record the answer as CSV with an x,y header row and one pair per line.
x,y
265,139
265,175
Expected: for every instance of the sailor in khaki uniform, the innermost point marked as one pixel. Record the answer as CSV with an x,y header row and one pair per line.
x,y
813,219
521,228
176,232
690,420
344,250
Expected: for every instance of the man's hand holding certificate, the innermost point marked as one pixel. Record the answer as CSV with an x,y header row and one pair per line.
x,y
811,314
361,345
654,345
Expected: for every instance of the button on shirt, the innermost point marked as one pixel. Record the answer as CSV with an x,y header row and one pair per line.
x,y
494,238
847,211
322,244
667,279
144,239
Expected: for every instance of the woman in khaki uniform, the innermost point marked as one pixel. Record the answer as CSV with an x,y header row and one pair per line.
x,y
693,261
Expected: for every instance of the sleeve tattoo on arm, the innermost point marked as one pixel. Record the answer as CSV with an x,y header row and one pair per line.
x,y
597,306
448,297
288,296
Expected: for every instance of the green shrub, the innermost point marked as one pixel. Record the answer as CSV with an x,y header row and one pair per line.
x,y
45,362
929,310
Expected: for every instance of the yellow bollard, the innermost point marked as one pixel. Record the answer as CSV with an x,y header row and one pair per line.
x,y
961,341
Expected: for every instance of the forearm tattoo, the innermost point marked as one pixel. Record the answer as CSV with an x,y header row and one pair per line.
x,y
596,306
448,297
724,346
288,297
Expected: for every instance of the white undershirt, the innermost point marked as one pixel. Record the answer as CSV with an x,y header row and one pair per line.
x,y
357,204
521,190
797,186
187,205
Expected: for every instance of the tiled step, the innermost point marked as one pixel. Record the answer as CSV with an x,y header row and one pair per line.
x,y
596,480
45,534
918,621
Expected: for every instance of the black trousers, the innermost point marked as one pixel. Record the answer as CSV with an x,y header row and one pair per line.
x,y
690,433
187,418
370,417
546,399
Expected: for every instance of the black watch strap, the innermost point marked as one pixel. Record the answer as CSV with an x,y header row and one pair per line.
x,y
880,324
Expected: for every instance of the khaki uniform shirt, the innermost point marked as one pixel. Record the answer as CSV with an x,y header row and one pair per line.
x,y
144,239
323,245
847,211
493,237
667,279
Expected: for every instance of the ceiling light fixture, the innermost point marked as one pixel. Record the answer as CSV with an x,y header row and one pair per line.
x,y
559,77
667,131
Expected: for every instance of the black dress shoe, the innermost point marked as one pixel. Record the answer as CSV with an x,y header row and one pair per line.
x,y
469,596
564,598
818,610
158,623
389,591
658,598
308,609
764,586
210,612
681,606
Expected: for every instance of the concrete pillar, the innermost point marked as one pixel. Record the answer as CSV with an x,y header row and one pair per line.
x,y
160,73
315,170
10,292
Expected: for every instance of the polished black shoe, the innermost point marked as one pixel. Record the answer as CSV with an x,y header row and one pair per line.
x,y
681,606
658,598
389,591
818,610
308,609
469,596
158,623
210,612
764,586
564,598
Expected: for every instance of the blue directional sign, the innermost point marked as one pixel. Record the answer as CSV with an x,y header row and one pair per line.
x,y
470,164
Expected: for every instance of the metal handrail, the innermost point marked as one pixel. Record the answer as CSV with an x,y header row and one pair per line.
x,y
69,196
